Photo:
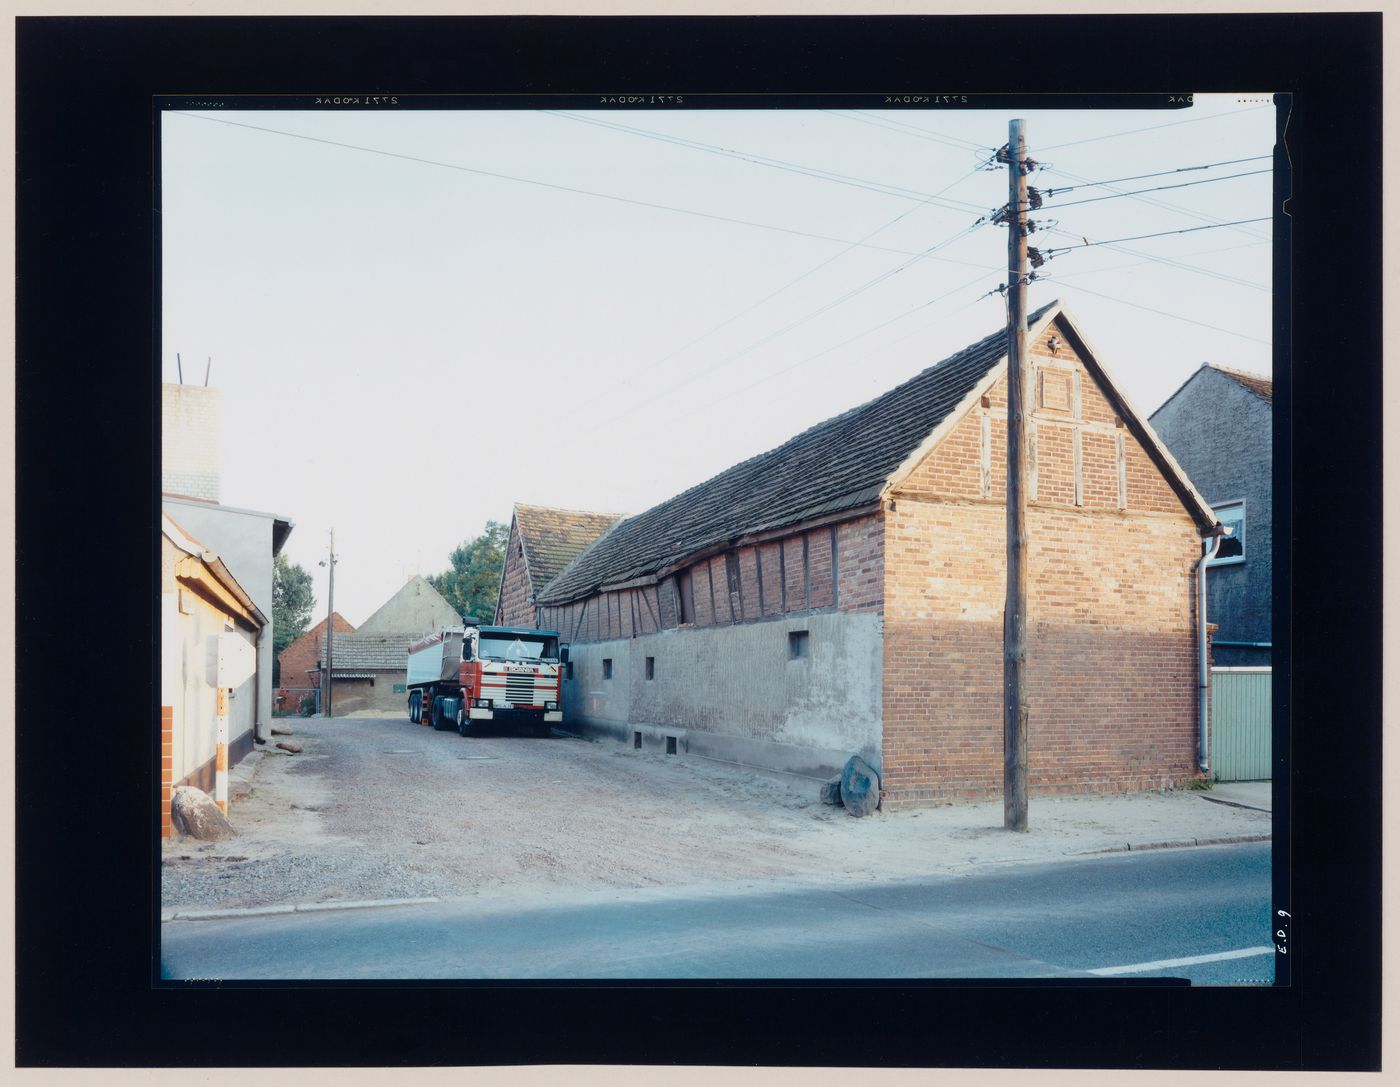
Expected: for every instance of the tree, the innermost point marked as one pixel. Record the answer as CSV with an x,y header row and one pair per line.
x,y
292,601
472,584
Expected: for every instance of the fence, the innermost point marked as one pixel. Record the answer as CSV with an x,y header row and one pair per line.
x,y
1241,726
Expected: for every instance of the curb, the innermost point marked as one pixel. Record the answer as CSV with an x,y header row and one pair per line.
x,y
1236,804
304,907
1178,843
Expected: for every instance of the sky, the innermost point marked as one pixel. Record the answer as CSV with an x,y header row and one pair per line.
x,y
419,318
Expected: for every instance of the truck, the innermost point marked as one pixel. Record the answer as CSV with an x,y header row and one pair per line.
x,y
460,675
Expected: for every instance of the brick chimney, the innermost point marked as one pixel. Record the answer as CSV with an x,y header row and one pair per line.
x,y
191,422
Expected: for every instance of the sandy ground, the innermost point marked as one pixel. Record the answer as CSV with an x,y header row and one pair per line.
x,y
378,808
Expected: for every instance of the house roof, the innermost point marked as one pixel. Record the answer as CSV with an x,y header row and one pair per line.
x,y
844,464
1260,386
553,538
215,565
358,652
840,464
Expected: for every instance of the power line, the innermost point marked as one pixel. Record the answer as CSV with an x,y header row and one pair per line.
x,y
916,130
1166,205
845,343
1160,234
1158,188
1150,258
560,188
1159,173
791,283
1153,128
711,370
1173,316
763,160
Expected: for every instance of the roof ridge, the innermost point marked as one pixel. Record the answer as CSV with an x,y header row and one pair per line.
x,y
1261,385
567,509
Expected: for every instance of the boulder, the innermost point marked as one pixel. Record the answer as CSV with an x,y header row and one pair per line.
x,y
860,787
281,730
194,813
289,745
831,791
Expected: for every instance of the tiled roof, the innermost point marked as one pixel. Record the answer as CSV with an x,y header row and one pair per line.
x,y
837,465
553,538
1261,386
375,651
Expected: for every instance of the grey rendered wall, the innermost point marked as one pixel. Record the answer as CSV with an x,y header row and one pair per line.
x,y
734,693
243,539
1222,435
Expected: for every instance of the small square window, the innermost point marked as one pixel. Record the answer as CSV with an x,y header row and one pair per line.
x,y
797,644
1232,547
607,668
651,668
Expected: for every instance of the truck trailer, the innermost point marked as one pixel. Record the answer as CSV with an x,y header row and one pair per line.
x,y
460,675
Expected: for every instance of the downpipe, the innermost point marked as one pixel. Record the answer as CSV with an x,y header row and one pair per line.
x,y
1209,547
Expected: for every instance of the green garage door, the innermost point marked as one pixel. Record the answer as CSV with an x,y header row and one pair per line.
x,y
1241,724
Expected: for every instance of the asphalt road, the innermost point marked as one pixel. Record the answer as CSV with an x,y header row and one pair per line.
x,y
1077,919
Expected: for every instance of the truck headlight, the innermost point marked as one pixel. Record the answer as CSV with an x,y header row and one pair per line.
x,y
482,703
551,705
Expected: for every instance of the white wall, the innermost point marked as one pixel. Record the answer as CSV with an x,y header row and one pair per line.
x,y
190,647
243,540
734,692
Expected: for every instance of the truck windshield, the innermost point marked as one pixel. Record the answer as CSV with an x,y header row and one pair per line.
x,y
517,647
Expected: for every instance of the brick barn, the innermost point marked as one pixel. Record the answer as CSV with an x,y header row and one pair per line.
x,y
843,593
542,541
299,665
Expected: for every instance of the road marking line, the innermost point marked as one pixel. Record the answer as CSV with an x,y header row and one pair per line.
x,y
1190,960
302,907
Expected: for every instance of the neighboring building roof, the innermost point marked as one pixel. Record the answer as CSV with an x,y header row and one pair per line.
x,y
1260,386
359,651
843,464
310,640
553,538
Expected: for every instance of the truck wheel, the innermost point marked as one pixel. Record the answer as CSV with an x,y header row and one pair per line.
x,y
413,708
464,721
435,715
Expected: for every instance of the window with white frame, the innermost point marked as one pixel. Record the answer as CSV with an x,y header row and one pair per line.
x,y
1232,547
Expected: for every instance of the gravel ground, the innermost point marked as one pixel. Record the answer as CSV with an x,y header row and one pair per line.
x,y
378,808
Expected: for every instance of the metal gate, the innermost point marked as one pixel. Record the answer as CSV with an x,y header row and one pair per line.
x,y
1241,724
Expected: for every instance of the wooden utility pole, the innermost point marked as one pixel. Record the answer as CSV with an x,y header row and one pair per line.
x,y
1014,622
330,630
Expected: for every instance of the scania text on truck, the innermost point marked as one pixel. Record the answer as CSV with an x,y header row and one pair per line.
x,y
476,673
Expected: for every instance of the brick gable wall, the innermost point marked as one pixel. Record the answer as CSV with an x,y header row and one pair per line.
x,y
1110,660
514,609
297,659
